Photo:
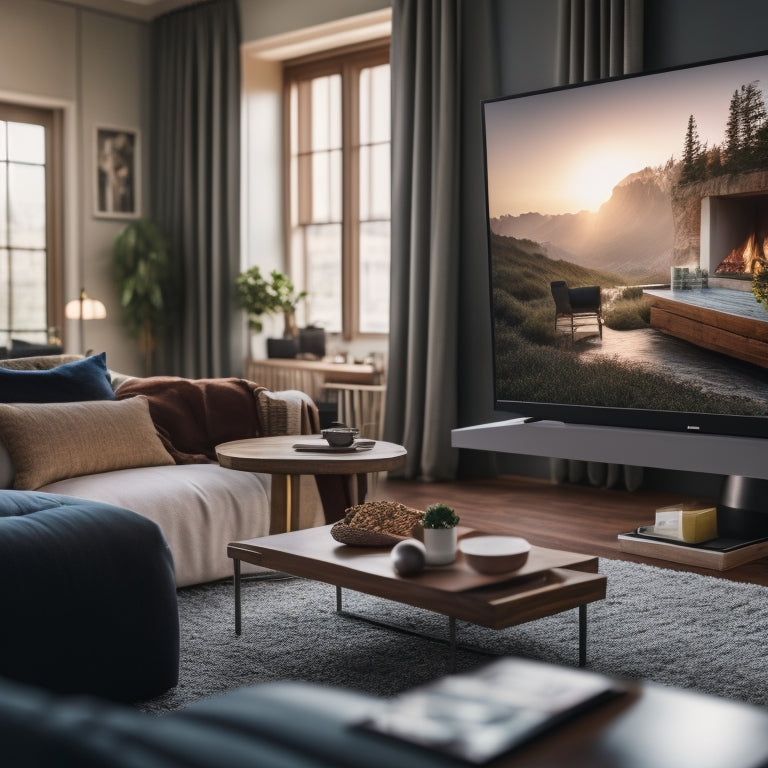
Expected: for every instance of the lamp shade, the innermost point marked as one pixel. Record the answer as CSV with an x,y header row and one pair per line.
x,y
85,308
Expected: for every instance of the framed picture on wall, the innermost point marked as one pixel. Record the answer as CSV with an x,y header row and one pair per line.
x,y
116,173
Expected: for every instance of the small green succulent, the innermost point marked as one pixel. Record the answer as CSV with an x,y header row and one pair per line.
x,y
440,516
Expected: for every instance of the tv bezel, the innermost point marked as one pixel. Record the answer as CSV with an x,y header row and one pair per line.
x,y
638,418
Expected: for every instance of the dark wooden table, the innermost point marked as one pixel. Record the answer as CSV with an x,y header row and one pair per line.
x,y
550,582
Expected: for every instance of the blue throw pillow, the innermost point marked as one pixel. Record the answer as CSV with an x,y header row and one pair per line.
x,y
86,379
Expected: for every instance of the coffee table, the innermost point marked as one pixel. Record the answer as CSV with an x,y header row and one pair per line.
x,y
340,477
550,582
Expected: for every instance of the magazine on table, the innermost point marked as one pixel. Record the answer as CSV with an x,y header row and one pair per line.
x,y
479,715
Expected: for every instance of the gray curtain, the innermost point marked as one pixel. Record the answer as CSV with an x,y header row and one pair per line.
x,y
441,60
445,62
598,39
195,183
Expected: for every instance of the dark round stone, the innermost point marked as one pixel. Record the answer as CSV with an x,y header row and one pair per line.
x,y
408,557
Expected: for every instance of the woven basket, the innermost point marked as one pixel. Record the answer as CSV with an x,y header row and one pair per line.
x,y
357,537
381,515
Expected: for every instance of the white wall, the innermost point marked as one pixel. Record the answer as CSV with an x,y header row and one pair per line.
x,y
114,93
93,66
264,18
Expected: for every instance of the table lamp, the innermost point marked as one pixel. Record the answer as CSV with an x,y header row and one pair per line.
x,y
82,309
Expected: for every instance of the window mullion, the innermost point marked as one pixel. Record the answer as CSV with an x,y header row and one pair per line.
x,y
351,200
304,157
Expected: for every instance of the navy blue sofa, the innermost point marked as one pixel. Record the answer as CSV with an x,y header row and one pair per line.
x,y
88,598
272,725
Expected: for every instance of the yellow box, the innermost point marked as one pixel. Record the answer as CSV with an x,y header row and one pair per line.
x,y
686,524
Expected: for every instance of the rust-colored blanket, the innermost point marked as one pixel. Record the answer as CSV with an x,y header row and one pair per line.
x,y
193,416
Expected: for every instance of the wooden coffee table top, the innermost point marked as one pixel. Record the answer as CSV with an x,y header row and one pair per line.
x,y
276,455
550,582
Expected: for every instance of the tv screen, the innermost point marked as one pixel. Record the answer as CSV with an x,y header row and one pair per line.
x,y
628,247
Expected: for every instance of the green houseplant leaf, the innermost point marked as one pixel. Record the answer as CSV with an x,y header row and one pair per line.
x,y
259,296
141,266
760,283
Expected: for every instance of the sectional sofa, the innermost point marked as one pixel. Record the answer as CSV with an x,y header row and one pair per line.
x,y
71,426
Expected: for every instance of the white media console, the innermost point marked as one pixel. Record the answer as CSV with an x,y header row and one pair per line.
x,y
715,454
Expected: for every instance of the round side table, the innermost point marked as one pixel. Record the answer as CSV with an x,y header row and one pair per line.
x,y
341,477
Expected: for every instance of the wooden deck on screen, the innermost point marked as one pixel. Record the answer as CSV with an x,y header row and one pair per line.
x,y
578,518
726,321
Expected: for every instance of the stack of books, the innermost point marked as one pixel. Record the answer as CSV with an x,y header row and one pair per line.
x,y
687,533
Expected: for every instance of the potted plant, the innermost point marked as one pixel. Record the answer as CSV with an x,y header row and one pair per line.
x,y
259,296
440,538
140,265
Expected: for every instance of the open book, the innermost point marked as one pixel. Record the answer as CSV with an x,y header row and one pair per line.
x,y
479,715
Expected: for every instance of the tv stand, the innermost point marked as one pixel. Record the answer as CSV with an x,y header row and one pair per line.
x,y
715,454
743,508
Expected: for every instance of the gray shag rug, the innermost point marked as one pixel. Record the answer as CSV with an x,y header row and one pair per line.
x,y
671,627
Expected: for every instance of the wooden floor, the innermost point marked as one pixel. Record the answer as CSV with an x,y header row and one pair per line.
x,y
571,517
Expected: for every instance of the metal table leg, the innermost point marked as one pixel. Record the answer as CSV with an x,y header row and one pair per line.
x,y
238,617
452,638
583,635
452,643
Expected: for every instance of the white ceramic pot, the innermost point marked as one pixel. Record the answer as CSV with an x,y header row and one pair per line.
x,y
440,544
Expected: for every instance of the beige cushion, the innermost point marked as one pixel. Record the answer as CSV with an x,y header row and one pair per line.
x,y
54,441
39,363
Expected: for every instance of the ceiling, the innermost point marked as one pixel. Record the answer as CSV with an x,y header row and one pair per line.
x,y
144,10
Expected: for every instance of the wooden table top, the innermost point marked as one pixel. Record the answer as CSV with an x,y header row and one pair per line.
x,y
276,455
551,581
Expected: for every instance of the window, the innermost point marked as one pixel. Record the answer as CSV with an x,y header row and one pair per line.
x,y
30,259
338,182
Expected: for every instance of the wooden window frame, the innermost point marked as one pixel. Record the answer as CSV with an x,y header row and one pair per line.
x,y
347,62
53,121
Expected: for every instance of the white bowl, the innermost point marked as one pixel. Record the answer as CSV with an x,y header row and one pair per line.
x,y
495,554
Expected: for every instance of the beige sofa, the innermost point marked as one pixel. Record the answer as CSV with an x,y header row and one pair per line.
x,y
110,451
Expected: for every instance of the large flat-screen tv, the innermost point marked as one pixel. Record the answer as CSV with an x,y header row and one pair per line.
x,y
649,192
